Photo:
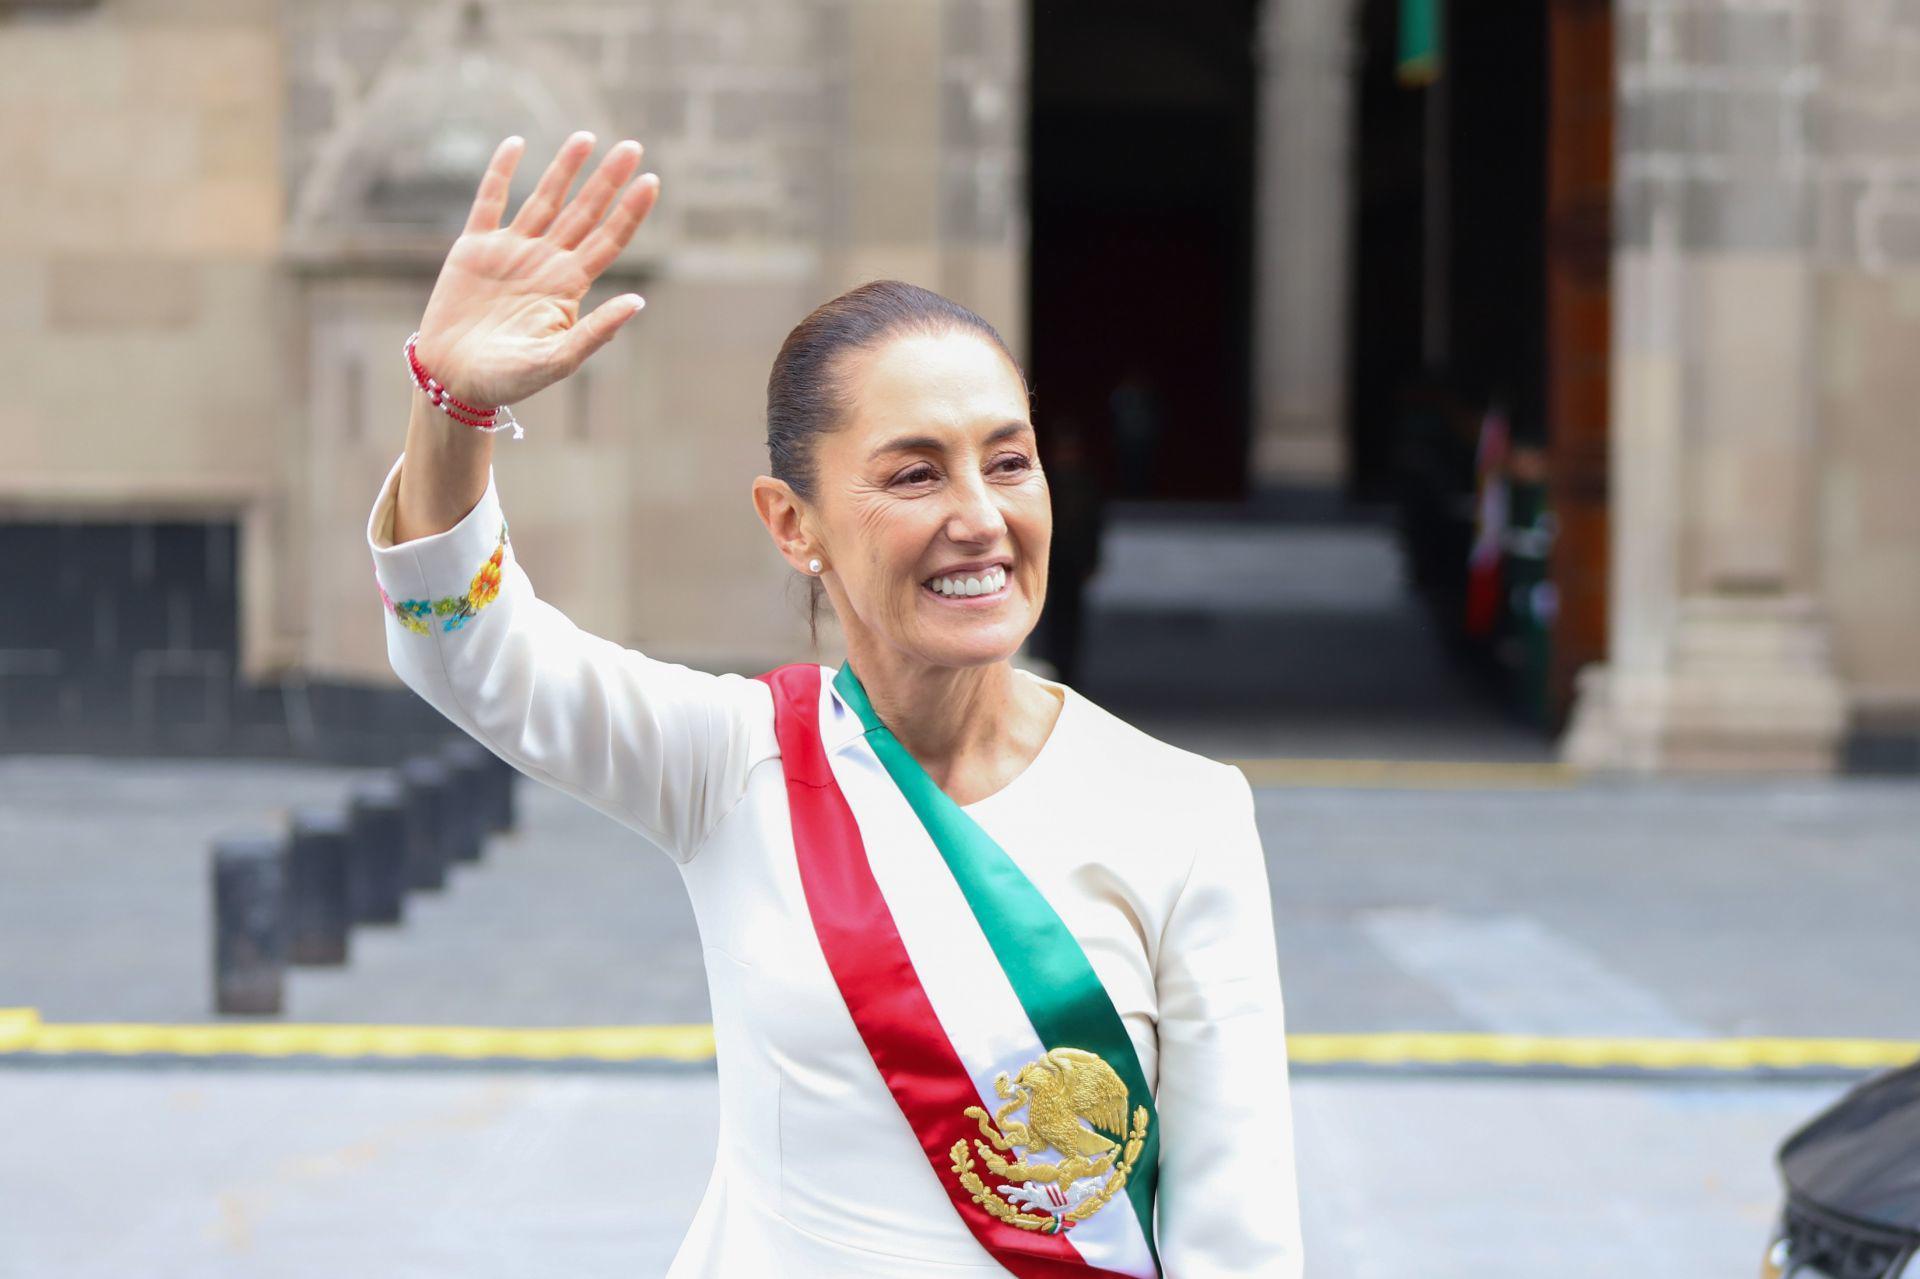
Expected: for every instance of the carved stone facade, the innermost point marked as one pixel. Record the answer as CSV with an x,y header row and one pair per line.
x,y
1766,543
225,217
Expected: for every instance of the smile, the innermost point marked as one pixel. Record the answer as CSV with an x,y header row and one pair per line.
x,y
988,585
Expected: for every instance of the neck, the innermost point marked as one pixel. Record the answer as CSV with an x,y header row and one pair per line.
x,y
959,722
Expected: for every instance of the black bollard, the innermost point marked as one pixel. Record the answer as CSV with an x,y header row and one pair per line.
x,y
429,799
466,762
377,867
317,877
249,923
498,797
506,780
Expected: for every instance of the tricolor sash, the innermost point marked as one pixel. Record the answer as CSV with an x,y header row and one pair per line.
x,y
1023,1089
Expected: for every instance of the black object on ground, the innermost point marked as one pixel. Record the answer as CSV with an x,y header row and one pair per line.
x,y
249,923
317,876
473,784
430,800
1853,1185
376,870
502,813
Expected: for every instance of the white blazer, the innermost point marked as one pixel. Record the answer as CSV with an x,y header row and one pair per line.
x,y
1149,854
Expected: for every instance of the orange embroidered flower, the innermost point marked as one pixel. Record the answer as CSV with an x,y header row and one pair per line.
x,y
486,583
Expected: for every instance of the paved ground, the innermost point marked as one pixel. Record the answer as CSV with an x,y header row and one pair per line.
x,y
307,1175
1604,908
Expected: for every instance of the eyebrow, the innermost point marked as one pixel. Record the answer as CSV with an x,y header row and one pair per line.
x,y
902,443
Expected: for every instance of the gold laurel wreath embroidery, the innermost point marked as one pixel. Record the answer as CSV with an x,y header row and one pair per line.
x,y
1000,1208
1071,1169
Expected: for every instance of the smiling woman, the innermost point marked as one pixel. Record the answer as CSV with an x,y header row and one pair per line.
x,y
942,889
852,375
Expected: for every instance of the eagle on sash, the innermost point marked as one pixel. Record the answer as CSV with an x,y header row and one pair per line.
x,y
1063,1091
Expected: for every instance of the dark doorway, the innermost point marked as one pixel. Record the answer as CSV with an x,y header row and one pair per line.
x,y
1141,195
1468,324
1491,153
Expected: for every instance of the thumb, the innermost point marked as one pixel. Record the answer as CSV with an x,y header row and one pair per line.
x,y
594,332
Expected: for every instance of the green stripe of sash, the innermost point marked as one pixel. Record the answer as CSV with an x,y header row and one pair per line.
x,y
1050,974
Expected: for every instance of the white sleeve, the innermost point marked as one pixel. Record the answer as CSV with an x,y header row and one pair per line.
x,y
661,747
1228,1201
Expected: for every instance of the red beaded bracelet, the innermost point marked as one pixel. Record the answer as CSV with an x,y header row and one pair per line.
x,y
492,419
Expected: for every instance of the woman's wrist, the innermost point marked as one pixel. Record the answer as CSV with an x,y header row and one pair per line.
x,y
461,407
444,475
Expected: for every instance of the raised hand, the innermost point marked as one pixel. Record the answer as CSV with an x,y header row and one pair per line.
x,y
504,320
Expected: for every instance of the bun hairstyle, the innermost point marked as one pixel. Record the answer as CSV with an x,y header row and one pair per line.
x,y
808,394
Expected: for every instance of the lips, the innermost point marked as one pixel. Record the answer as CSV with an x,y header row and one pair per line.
x,y
970,568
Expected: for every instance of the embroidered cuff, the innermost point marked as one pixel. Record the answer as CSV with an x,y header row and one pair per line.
x,y
443,580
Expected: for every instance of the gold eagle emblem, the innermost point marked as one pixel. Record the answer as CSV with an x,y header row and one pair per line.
x,y
1070,1094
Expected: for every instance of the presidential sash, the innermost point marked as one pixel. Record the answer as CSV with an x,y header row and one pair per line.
x,y
1014,1071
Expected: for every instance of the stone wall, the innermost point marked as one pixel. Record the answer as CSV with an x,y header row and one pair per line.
x,y
1765,260
206,276
143,346
803,146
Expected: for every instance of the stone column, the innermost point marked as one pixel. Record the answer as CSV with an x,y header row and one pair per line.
x,y
1719,652
888,166
1306,68
928,168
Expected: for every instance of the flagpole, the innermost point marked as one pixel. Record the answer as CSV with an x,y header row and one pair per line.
x,y
1435,335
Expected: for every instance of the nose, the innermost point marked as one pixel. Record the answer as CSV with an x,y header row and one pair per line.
x,y
975,516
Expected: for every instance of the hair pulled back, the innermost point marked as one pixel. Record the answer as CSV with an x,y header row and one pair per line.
x,y
808,394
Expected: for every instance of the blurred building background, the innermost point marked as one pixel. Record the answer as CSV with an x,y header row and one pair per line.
x,y
1551,359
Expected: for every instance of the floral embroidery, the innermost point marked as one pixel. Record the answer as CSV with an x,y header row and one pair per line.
x,y
417,615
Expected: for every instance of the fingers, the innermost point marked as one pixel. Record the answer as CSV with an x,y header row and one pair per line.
x,y
597,329
491,199
599,249
539,210
584,212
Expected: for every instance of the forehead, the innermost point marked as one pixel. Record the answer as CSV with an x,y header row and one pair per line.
x,y
956,380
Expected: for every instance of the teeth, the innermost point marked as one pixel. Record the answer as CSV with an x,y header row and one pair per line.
x,y
976,584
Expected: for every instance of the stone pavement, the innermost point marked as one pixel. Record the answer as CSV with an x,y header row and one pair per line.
x,y
1624,908
292,1174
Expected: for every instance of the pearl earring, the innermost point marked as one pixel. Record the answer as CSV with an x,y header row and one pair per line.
x,y
813,565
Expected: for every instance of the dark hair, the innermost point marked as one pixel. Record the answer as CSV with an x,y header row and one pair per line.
x,y
807,394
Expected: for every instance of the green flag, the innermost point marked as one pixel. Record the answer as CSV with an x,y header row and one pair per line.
x,y
1420,26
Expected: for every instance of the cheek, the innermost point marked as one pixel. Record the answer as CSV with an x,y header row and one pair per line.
x,y
893,537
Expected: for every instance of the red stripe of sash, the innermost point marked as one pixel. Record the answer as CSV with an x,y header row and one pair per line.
x,y
877,979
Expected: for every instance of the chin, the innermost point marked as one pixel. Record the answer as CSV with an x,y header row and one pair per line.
x,y
995,644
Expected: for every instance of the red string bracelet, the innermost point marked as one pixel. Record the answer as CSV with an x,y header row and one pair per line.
x,y
496,418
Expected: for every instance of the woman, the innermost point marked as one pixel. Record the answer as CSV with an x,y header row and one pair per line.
x,y
993,973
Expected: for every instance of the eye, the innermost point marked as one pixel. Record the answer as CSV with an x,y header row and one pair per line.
x,y
1020,462
914,474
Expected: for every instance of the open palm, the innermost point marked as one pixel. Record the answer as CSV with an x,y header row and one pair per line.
x,y
504,320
